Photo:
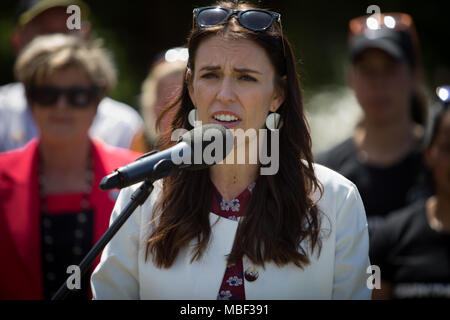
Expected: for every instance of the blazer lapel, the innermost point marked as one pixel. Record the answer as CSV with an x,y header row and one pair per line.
x,y
209,270
23,216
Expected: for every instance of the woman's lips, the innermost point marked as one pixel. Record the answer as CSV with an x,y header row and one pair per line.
x,y
226,118
229,125
61,120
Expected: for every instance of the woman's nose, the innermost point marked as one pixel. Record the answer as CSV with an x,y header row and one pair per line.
x,y
61,102
226,92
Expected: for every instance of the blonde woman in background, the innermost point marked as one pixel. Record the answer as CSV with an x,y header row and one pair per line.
x,y
115,122
162,85
51,208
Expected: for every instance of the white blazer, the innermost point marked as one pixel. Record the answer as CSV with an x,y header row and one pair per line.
x,y
338,273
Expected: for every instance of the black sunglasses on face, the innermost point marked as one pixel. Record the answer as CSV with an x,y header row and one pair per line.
x,y
252,19
48,96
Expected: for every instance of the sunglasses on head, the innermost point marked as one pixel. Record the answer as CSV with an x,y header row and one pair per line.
x,y
390,21
48,96
252,19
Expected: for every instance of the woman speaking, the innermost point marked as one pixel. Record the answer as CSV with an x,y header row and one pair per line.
x,y
228,232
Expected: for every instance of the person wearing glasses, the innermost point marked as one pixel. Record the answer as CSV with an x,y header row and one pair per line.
x,y
384,155
115,123
412,246
230,232
51,209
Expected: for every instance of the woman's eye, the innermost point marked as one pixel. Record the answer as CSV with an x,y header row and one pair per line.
x,y
246,77
209,76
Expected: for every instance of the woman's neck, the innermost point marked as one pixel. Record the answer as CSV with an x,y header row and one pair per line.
x,y
59,157
64,166
385,145
438,212
231,179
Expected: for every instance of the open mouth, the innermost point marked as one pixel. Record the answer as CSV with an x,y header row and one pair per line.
x,y
228,118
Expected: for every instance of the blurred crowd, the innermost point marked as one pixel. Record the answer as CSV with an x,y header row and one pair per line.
x,y
60,134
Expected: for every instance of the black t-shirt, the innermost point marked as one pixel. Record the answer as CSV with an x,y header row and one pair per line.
x,y
382,189
411,255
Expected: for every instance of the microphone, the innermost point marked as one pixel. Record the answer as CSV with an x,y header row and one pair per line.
x,y
197,149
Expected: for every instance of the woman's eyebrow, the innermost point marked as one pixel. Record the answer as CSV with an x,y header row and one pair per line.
x,y
210,68
240,70
246,70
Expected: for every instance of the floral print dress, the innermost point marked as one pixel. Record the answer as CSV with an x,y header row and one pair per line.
x,y
232,287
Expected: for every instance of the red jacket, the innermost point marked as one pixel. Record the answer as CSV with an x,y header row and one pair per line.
x,y
20,232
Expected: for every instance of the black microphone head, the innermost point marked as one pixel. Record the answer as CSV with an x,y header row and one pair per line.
x,y
113,180
211,143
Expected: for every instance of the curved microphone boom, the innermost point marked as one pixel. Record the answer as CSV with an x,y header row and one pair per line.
x,y
188,153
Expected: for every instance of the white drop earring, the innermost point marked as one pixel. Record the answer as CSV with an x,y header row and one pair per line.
x,y
273,121
192,117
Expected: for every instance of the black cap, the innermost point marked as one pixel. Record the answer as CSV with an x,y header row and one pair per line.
x,y
394,33
397,44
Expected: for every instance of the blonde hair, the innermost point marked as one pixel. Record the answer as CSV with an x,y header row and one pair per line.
x,y
47,53
150,90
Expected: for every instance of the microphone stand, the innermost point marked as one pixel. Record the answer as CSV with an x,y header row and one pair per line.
x,y
137,198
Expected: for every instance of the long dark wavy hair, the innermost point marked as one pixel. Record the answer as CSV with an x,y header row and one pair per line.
x,y
280,214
